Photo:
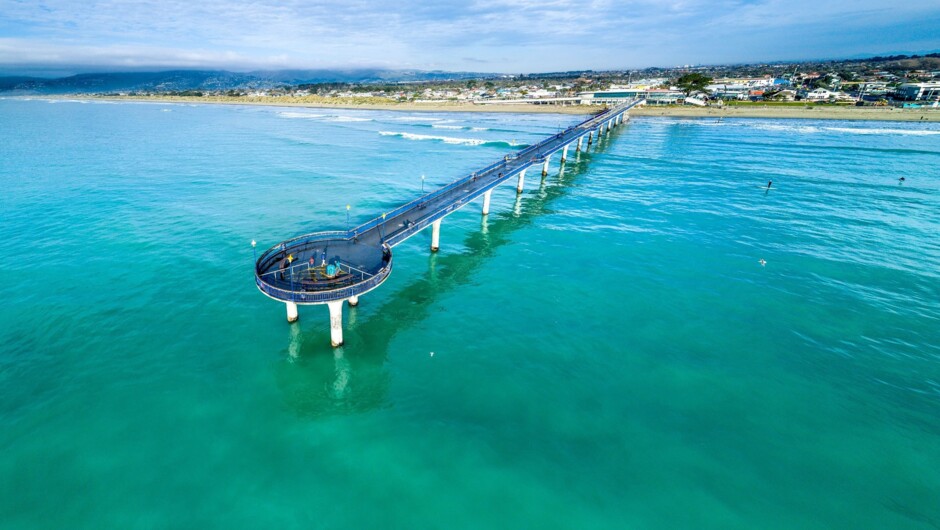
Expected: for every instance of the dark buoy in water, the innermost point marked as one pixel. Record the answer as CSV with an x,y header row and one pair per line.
x,y
901,180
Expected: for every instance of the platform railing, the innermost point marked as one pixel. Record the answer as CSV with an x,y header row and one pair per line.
x,y
327,295
268,257
301,267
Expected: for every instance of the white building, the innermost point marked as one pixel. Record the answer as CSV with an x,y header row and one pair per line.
x,y
819,94
919,91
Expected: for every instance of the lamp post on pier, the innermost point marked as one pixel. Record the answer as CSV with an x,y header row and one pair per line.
x,y
290,271
422,183
254,252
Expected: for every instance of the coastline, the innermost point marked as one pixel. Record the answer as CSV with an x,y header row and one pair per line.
x,y
809,111
443,106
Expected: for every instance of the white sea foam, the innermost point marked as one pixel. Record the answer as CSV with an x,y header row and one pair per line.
x,y
415,118
805,129
301,115
903,132
810,129
348,119
452,140
445,139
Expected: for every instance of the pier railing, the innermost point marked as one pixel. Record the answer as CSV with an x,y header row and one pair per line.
x,y
588,124
271,279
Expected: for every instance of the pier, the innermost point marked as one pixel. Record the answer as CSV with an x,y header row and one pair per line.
x,y
332,267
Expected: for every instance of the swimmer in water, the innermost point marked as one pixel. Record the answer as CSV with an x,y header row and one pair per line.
x,y
762,262
901,180
769,184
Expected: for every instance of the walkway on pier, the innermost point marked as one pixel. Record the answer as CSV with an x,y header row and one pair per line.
x,y
329,267
409,219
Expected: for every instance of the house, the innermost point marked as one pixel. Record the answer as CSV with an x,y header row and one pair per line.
x,y
728,91
782,95
819,94
919,91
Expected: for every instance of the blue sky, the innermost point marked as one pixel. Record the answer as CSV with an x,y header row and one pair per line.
x,y
478,35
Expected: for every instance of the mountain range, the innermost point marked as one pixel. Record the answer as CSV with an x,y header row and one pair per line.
x,y
179,80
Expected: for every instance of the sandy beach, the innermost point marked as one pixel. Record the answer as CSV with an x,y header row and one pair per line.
x,y
809,111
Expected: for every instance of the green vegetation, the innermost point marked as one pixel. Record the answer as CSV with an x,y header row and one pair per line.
x,y
694,82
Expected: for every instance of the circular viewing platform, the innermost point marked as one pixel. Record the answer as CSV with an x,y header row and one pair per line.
x,y
322,267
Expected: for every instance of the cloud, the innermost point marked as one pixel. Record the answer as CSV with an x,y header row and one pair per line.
x,y
506,35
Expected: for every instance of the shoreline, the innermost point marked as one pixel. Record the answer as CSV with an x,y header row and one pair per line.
x,y
807,112
443,106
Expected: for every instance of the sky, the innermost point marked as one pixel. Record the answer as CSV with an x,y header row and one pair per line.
x,y
510,36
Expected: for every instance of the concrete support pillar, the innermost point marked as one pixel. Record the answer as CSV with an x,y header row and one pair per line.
x,y
545,165
336,322
435,235
609,124
291,311
578,149
486,202
564,154
590,137
353,300
521,185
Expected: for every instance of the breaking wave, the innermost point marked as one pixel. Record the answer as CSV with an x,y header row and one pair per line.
x,y
301,115
346,119
816,129
451,139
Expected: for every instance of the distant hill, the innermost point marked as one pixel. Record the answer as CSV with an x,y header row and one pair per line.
x,y
11,83
179,80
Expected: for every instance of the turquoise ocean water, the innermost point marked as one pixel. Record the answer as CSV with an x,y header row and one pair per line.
x,y
608,352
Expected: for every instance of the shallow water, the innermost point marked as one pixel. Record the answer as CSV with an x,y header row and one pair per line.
x,y
608,352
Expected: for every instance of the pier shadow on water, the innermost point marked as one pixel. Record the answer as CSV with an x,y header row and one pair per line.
x,y
318,380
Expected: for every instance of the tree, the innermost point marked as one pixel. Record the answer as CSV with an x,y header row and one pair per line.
x,y
693,83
